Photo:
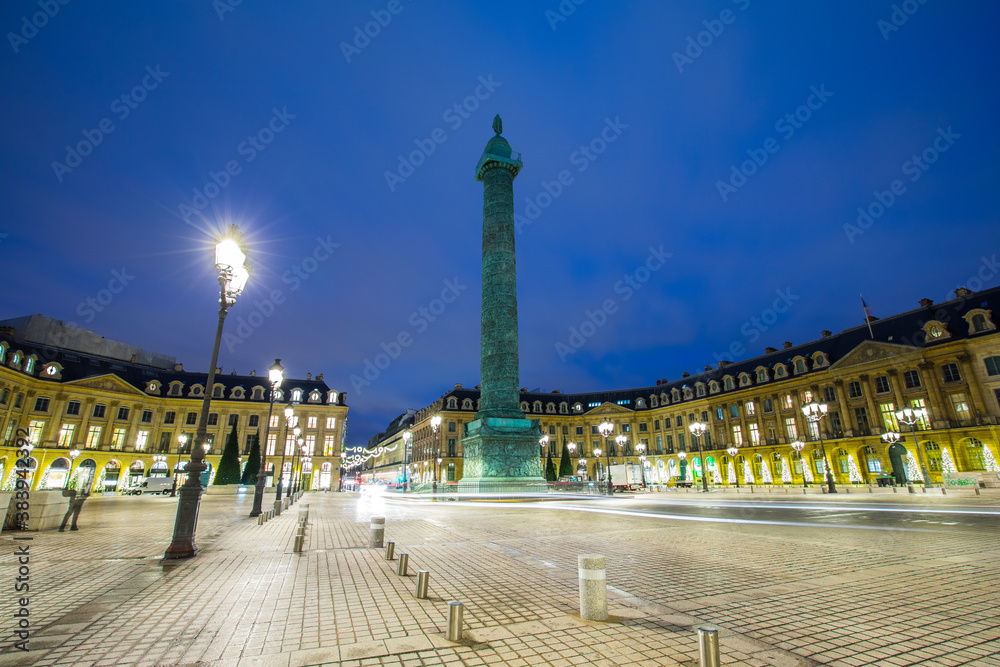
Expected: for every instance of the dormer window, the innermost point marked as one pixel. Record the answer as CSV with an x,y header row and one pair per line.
x,y
332,399
279,395
640,403
314,396
563,408
979,320
819,359
577,407
779,371
744,380
688,393
29,365
713,387
676,394
800,365
297,396
728,382
237,392
936,331
524,406
153,387
195,390
550,408
467,404
452,403
175,388
761,375
700,388
653,402
537,407
664,400
257,394
3,352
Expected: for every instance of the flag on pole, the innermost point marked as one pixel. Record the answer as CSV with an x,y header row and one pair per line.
x,y
868,316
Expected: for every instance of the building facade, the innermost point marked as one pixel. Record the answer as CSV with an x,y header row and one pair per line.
x,y
133,414
942,358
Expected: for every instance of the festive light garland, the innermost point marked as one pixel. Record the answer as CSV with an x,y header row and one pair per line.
x,y
947,464
747,473
786,473
853,473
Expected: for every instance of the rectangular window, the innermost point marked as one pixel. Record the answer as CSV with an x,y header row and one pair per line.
x,y
552,429
734,411
66,434
192,419
213,419
737,436
289,445
670,444
593,429
888,411
924,418
874,465
881,384
768,405
274,421
253,421
708,440
579,430
123,413
452,428
992,365
911,379
311,422
751,409
754,434
35,431
4,393
643,427
861,417
720,414
73,408
141,438
93,437
147,417
17,400
164,446
656,424
451,447
234,420
118,438
961,406
996,394
950,373
680,440
42,404
99,411
331,422
786,402
659,444
854,389
791,429
813,428
835,424
272,440
680,420
168,417
829,394
310,445
329,443
247,444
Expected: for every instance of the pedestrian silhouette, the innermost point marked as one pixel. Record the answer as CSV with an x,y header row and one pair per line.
x,y
75,505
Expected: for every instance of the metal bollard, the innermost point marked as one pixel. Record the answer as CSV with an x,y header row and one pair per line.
x,y
944,491
390,550
423,579
404,561
299,539
708,646
377,532
260,519
870,489
895,490
455,621
593,587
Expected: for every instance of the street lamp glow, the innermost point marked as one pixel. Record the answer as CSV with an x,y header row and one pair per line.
x,y
815,412
435,423
798,446
571,446
733,450
606,428
543,441
697,430
597,452
276,373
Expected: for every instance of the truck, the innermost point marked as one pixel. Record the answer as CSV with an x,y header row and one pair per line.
x,y
153,485
626,477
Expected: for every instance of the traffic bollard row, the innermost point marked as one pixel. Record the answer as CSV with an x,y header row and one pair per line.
x,y
423,581
404,561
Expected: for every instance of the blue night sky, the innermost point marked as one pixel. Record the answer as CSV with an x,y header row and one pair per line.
x,y
351,163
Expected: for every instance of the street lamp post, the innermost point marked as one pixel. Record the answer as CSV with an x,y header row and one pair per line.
x,y
340,477
279,475
640,448
233,273
407,439
682,455
697,430
892,438
733,451
911,418
275,375
621,440
181,441
73,453
798,446
306,461
815,412
300,449
435,425
606,428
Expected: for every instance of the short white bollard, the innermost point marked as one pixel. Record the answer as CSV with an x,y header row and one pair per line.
x,y
377,532
593,588
277,508
708,646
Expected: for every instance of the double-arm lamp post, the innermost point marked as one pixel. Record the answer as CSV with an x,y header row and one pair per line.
x,y
279,475
697,430
606,428
640,448
435,425
815,412
275,375
911,417
233,274
733,451
798,446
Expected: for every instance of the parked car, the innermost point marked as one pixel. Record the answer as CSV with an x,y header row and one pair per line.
x,y
153,485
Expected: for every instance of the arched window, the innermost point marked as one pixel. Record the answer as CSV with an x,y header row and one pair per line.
x,y
537,406
640,403
297,396
217,391
800,366
452,403
258,393
653,402
728,381
974,450
779,371
467,404
744,379
664,400
550,408
563,408
701,388
524,406
761,375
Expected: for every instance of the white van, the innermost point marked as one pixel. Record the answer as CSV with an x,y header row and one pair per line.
x,y
151,485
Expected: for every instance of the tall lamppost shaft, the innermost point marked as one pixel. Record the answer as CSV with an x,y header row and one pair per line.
x,y
258,492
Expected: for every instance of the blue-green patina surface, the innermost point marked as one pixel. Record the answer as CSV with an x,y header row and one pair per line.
x,y
501,445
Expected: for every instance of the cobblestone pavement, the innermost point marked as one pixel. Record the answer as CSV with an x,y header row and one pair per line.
x,y
781,594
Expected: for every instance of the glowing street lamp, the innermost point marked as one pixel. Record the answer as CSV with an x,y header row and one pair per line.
x,y
435,425
279,476
892,438
275,375
697,430
733,451
73,453
606,428
911,418
181,441
407,439
233,273
815,412
798,446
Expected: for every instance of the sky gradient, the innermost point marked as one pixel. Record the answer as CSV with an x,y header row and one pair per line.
x,y
728,144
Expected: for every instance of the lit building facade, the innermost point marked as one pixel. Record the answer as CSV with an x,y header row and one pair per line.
x,y
942,358
126,417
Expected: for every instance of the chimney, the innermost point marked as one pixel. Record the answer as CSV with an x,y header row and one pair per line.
x,y
787,344
479,386
524,390
769,350
724,363
178,367
826,334
556,391
458,386
926,303
685,374
708,368
132,360
253,373
309,376
963,291
233,372
657,383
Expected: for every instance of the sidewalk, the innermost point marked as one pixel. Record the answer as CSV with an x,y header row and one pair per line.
x,y
781,596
